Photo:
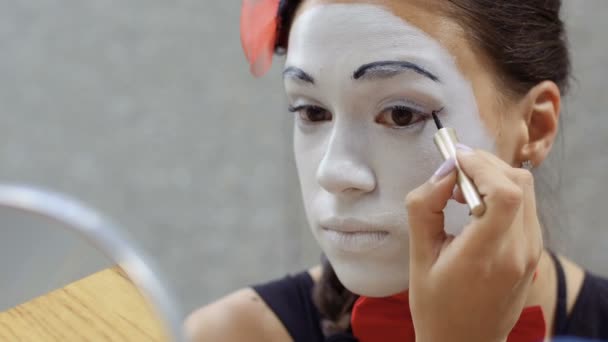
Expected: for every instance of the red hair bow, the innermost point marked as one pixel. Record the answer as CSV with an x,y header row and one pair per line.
x,y
259,22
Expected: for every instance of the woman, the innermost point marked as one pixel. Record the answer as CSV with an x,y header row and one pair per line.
x,y
363,78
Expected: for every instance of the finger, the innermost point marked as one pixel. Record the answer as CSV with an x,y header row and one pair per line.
x,y
425,206
490,159
525,180
458,196
530,226
521,242
501,195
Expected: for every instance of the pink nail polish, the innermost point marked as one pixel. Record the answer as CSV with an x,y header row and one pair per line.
x,y
446,167
464,148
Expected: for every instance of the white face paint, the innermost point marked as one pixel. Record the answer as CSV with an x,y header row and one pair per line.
x,y
355,166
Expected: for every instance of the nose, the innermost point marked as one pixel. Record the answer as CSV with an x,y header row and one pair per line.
x,y
343,168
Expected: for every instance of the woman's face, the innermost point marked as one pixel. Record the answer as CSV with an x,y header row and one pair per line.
x,y
363,79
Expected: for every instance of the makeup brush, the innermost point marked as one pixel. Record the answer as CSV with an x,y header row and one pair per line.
x,y
446,140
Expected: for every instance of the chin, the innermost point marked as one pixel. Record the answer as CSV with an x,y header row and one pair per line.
x,y
371,279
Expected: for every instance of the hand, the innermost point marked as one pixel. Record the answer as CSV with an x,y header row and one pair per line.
x,y
473,287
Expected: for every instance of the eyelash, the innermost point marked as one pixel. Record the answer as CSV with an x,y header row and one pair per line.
x,y
304,115
301,111
414,116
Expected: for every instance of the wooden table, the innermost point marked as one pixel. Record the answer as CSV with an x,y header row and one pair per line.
x,y
105,306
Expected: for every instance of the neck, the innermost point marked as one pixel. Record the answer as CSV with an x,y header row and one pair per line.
x,y
544,290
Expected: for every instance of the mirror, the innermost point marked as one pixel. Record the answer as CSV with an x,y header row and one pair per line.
x,y
30,267
147,111
50,240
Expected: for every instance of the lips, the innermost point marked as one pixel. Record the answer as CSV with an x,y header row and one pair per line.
x,y
350,235
349,225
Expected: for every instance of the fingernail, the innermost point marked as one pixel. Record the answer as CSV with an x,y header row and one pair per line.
x,y
446,167
464,148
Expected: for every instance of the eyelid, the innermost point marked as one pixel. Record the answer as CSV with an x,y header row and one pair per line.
x,y
418,108
422,114
294,109
303,101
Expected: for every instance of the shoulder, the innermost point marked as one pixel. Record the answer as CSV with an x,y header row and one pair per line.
x,y
240,316
255,313
291,300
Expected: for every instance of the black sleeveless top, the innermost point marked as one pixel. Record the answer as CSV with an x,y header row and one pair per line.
x,y
290,298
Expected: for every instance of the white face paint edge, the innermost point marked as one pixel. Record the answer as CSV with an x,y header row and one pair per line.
x,y
354,172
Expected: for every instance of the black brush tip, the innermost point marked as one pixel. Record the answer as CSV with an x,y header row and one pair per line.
x,y
437,122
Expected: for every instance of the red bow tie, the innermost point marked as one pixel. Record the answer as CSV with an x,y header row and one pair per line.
x,y
389,319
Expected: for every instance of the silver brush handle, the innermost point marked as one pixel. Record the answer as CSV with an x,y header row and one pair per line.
x,y
446,140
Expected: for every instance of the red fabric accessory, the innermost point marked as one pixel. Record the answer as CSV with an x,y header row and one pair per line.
x,y
259,23
389,319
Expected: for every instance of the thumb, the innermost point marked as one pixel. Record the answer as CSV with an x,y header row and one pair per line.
x,y
425,207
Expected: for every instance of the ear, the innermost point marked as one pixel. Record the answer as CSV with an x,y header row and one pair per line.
x,y
543,104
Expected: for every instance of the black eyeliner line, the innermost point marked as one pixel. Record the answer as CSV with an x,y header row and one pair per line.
x,y
292,109
436,119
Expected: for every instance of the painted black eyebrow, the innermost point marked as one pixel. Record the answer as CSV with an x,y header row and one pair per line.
x,y
298,74
385,69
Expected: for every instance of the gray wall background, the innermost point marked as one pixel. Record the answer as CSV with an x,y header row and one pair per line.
x,y
146,111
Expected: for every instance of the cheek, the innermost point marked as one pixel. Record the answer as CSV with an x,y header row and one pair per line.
x,y
493,116
511,135
308,154
499,120
404,162
489,105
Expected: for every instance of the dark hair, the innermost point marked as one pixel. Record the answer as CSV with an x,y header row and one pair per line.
x,y
526,42
525,39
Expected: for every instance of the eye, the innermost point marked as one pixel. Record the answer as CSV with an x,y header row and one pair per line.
x,y
400,117
311,113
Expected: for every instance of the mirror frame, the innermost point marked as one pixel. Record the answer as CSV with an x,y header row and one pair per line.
x,y
107,238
